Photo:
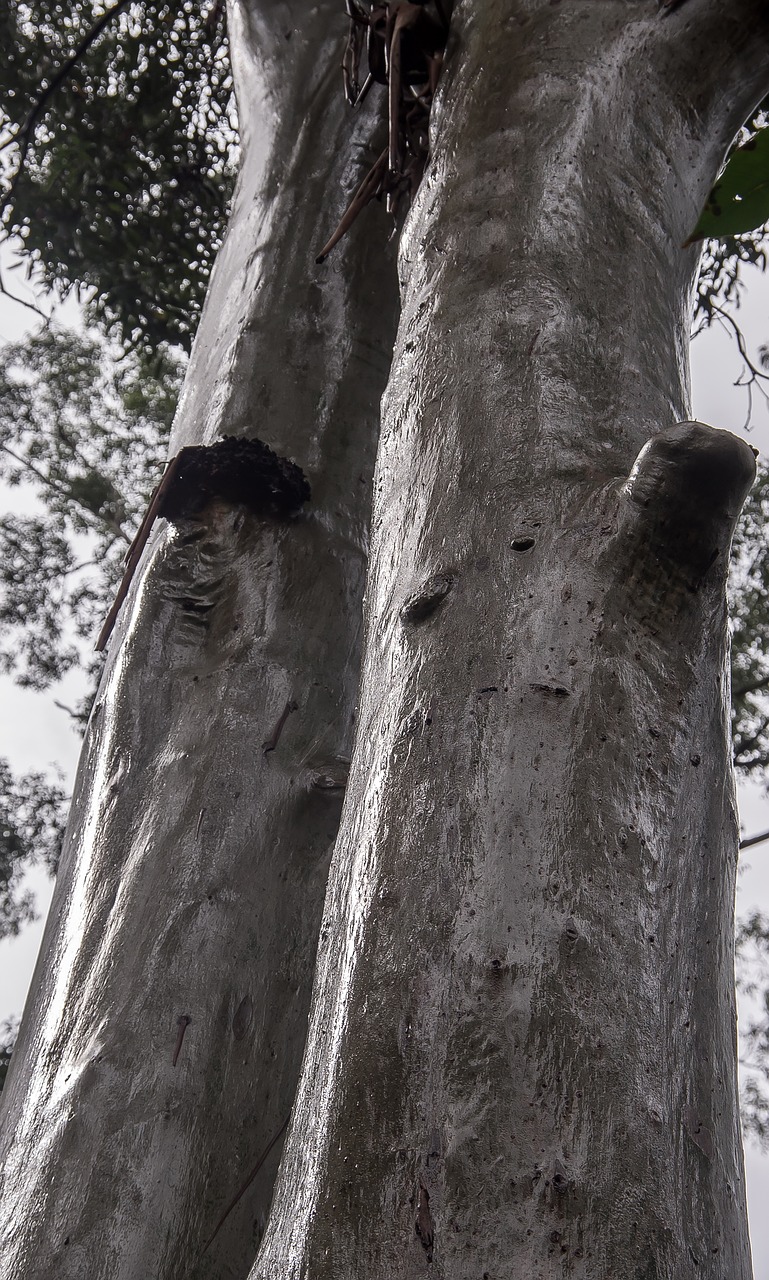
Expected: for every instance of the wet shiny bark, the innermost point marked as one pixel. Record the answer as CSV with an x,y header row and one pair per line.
x,y
521,1060
160,1050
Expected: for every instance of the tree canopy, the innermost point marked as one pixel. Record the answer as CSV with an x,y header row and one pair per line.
x,y
83,436
119,140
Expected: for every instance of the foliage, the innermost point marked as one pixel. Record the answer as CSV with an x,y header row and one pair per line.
x,y
8,1030
86,435
722,259
83,437
739,201
121,153
753,985
749,610
32,816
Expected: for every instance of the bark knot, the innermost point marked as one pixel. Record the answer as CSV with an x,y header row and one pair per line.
x,y
685,492
422,603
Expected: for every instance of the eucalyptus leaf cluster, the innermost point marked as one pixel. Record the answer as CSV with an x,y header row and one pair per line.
x,y
83,436
119,136
749,614
752,944
33,812
732,224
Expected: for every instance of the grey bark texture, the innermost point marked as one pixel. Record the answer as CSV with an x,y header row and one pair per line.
x,y
521,1057
521,1054
193,879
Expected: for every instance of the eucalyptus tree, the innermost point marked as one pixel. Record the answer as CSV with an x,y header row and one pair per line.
x,y
255,623
521,1051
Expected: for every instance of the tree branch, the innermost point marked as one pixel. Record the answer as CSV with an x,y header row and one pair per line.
x,y
751,840
752,686
63,492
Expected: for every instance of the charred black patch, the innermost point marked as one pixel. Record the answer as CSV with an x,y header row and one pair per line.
x,y
234,470
238,471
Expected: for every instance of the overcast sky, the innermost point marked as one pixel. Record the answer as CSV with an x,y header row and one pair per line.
x,y
35,734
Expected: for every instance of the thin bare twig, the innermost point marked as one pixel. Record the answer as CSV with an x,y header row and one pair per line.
x,y
756,377
134,552
246,1184
56,486
13,297
751,840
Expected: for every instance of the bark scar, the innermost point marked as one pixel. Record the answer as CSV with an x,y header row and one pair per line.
x,y
183,1021
236,469
424,1222
424,602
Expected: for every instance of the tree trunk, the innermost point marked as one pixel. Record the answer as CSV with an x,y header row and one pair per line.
x,y
192,884
521,1059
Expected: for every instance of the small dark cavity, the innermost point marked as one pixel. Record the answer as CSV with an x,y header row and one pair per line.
x,y
424,602
560,1178
238,471
242,1019
522,544
570,931
198,607
699,1134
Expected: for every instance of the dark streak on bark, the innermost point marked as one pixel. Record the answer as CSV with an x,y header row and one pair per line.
x,y
271,743
246,1184
183,1021
243,1018
424,1222
552,690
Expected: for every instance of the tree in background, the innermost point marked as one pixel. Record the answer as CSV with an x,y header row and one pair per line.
x,y
33,811
83,435
119,135
85,430
749,612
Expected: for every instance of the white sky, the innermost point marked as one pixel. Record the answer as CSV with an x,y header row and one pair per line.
x,y
34,733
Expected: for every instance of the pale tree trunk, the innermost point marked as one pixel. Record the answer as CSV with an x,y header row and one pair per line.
x,y
192,884
521,1059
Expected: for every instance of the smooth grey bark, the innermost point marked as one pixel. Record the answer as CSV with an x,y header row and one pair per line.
x,y
193,878
521,1058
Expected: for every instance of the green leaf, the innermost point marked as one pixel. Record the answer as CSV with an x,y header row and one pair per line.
x,y
739,201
